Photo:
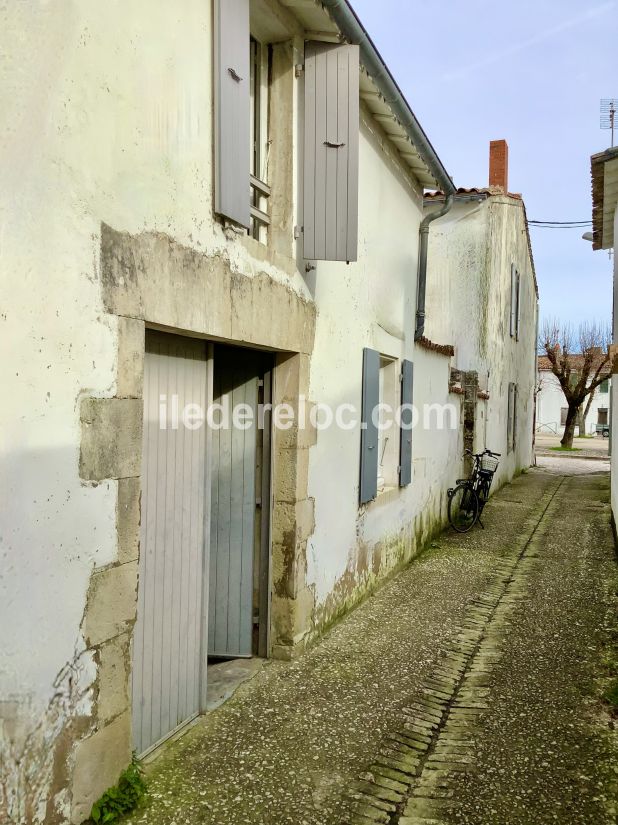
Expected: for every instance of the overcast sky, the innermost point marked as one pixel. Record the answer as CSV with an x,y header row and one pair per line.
x,y
530,72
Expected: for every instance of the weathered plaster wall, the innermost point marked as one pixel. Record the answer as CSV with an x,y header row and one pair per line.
x,y
107,227
468,305
372,304
106,125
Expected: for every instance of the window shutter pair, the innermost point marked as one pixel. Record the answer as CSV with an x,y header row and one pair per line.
x,y
515,302
369,430
330,186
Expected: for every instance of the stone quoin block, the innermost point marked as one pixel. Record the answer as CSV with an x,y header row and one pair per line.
x,y
111,443
111,603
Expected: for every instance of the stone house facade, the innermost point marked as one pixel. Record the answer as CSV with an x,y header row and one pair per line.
x,y
214,202
482,295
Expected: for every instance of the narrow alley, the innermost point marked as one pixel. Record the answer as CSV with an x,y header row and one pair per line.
x,y
466,690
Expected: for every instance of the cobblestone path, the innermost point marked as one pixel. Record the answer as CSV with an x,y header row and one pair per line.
x,y
466,690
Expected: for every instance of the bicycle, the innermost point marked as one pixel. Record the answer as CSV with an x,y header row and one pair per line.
x,y
467,500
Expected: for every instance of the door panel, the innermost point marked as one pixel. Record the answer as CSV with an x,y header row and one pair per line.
x,y
167,659
232,536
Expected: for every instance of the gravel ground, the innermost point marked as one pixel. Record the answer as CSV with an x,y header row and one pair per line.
x,y
547,752
290,743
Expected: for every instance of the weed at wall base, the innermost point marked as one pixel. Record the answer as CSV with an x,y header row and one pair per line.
x,y
122,798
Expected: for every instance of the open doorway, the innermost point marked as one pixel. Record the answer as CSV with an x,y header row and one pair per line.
x,y
239,568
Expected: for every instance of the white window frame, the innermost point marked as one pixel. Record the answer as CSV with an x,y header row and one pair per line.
x,y
388,438
259,142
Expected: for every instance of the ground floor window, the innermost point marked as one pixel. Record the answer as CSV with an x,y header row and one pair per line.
x,y
388,434
602,416
563,416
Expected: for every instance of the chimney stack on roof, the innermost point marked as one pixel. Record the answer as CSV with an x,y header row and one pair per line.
x,y
499,165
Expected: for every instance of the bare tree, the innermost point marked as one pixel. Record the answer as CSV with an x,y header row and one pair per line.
x,y
580,362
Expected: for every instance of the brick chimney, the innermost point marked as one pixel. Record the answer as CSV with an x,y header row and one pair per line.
x,y
499,165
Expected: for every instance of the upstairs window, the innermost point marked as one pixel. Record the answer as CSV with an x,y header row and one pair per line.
x,y
331,135
604,386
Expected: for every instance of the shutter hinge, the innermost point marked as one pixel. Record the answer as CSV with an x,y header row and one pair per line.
x,y
260,382
299,68
258,501
298,230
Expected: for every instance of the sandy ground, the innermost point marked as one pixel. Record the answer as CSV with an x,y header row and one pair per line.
x,y
596,447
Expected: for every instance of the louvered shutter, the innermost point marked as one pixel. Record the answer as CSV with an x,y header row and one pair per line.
x,y
513,300
405,435
232,105
369,430
330,213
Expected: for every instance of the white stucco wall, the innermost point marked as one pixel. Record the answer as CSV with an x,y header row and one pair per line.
x,y
101,121
371,304
471,251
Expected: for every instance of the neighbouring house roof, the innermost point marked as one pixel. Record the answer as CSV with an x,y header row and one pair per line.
x,y
604,171
379,90
484,193
475,190
576,362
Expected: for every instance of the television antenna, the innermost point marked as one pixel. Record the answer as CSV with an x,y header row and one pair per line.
x,y
609,114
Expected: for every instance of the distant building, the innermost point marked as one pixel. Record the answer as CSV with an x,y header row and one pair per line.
x,y
552,407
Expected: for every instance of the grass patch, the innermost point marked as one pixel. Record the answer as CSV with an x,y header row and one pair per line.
x,y
122,798
611,693
566,449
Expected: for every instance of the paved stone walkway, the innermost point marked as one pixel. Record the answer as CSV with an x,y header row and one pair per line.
x,y
466,690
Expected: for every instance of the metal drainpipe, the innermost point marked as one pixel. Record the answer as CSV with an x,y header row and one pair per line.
x,y
422,265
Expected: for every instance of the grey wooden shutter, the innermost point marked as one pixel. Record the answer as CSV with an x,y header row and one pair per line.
x,y
369,430
514,438
518,319
509,418
513,300
232,105
330,214
405,435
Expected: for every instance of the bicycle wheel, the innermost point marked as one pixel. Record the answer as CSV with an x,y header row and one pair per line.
x,y
463,508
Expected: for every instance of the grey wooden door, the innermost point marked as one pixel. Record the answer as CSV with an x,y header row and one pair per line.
x,y
233,508
168,653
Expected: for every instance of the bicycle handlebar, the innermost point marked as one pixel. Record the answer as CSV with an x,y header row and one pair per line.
x,y
485,452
